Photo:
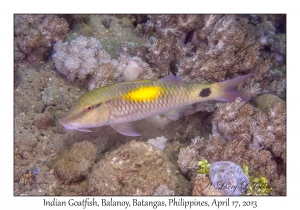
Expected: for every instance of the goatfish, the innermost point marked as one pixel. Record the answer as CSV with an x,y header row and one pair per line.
x,y
118,105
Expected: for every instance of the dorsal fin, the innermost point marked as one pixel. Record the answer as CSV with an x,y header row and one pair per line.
x,y
172,79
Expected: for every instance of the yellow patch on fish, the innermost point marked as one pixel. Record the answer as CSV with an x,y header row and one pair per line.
x,y
144,93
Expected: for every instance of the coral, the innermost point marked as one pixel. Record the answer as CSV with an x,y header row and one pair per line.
x,y
244,135
136,168
82,57
159,142
133,68
228,47
160,54
233,120
85,56
105,74
228,178
212,48
37,33
280,188
173,25
197,143
202,185
188,159
199,48
78,58
73,164
240,121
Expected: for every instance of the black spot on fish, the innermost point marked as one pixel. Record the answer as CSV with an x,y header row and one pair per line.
x,y
205,92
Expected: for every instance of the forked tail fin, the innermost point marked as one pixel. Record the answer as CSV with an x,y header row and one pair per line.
x,y
228,90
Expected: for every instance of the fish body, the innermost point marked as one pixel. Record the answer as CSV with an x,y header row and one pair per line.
x,y
120,104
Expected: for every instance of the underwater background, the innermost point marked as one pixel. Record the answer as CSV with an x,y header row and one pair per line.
x,y
58,58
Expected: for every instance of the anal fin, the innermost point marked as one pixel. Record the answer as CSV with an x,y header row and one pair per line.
x,y
126,129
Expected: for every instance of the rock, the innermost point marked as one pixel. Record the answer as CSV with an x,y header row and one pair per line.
x,y
18,54
136,168
52,96
126,22
73,164
267,101
24,105
39,107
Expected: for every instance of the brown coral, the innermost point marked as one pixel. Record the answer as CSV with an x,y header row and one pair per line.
x,y
245,135
228,46
187,159
37,33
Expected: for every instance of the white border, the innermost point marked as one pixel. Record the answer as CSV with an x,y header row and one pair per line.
x,y
142,6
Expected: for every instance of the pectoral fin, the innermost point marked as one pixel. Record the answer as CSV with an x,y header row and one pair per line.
x,y
175,114
126,129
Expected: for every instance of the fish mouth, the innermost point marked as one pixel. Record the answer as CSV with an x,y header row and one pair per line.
x,y
70,126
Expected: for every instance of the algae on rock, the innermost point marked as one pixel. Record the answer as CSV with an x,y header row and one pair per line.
x,y
135,168
73,165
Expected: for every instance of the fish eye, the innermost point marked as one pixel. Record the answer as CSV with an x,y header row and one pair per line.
x,y
89,108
